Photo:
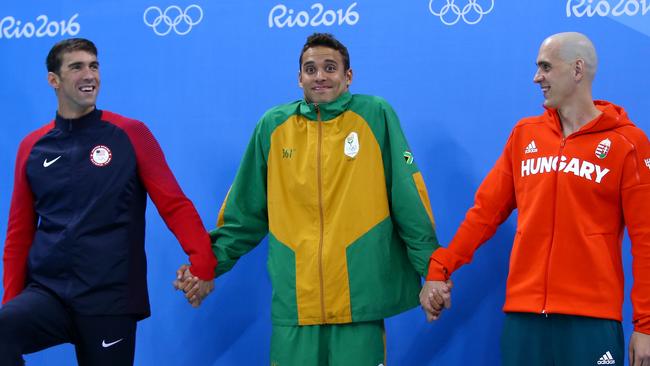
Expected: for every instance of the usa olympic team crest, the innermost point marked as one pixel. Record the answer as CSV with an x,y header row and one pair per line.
x,y
101,155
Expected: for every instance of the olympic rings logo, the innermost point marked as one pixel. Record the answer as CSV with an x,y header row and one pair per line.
x,y
173,18
457,13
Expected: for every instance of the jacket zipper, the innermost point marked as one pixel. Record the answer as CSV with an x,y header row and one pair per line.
x,y
320,212
548,258
74,207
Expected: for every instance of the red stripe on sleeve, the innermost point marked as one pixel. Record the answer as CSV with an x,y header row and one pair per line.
x,y
22,220
174,207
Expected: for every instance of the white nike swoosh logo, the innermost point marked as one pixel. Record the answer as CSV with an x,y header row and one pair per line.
x,y
106,345
48,163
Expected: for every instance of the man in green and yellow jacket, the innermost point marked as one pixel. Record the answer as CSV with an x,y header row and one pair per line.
x,y
333,183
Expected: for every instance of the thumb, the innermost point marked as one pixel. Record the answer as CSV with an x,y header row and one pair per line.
x,y
449,283
180,271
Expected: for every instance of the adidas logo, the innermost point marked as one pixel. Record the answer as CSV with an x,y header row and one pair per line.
x,y
531,148
647,162
606,359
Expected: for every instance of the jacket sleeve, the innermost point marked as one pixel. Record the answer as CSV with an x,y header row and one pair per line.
x,y
243,217
409,201
174,207
493,203
20,228
635,196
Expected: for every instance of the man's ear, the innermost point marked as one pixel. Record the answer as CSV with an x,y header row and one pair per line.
x,y
579,69
53,79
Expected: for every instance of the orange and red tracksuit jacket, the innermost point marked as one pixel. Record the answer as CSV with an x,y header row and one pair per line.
x,y
574,195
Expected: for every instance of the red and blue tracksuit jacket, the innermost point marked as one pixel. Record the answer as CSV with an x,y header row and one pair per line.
x,y
77,218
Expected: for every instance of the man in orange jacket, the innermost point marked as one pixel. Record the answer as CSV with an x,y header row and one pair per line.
x,y
578,174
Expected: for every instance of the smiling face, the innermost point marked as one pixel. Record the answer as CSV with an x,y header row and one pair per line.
x,y
76,83
322,75
555,75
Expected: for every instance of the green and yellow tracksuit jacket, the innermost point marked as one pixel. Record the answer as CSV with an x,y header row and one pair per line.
x,y
346,209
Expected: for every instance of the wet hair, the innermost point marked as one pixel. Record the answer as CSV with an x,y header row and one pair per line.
x,y
55,56
326,40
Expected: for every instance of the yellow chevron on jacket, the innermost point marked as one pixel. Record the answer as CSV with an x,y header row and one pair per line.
x,y
320,201
424,195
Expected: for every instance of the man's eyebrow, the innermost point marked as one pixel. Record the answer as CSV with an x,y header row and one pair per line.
x,y
329,60
79,63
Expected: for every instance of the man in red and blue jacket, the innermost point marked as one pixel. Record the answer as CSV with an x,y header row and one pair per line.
x,y
74,259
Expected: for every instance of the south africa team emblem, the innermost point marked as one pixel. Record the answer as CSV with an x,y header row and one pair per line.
x,y
351,145
100,155
603,148
408,157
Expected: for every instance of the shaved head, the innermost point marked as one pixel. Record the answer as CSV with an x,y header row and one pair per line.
x,y
566,66
572,46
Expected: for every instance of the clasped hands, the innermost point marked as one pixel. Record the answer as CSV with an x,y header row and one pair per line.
x,y
435,296
195,289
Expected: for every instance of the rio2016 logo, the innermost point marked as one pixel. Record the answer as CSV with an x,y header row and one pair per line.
x,y
280,16
42,27
603,8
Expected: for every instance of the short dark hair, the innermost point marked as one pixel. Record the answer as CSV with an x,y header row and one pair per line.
x,y
326,40
55,57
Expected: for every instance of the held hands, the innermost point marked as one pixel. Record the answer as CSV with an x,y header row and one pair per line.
x,y
435,296
195,289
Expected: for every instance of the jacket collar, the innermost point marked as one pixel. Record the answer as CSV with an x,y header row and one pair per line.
x,y
612,116
327,111
84,121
